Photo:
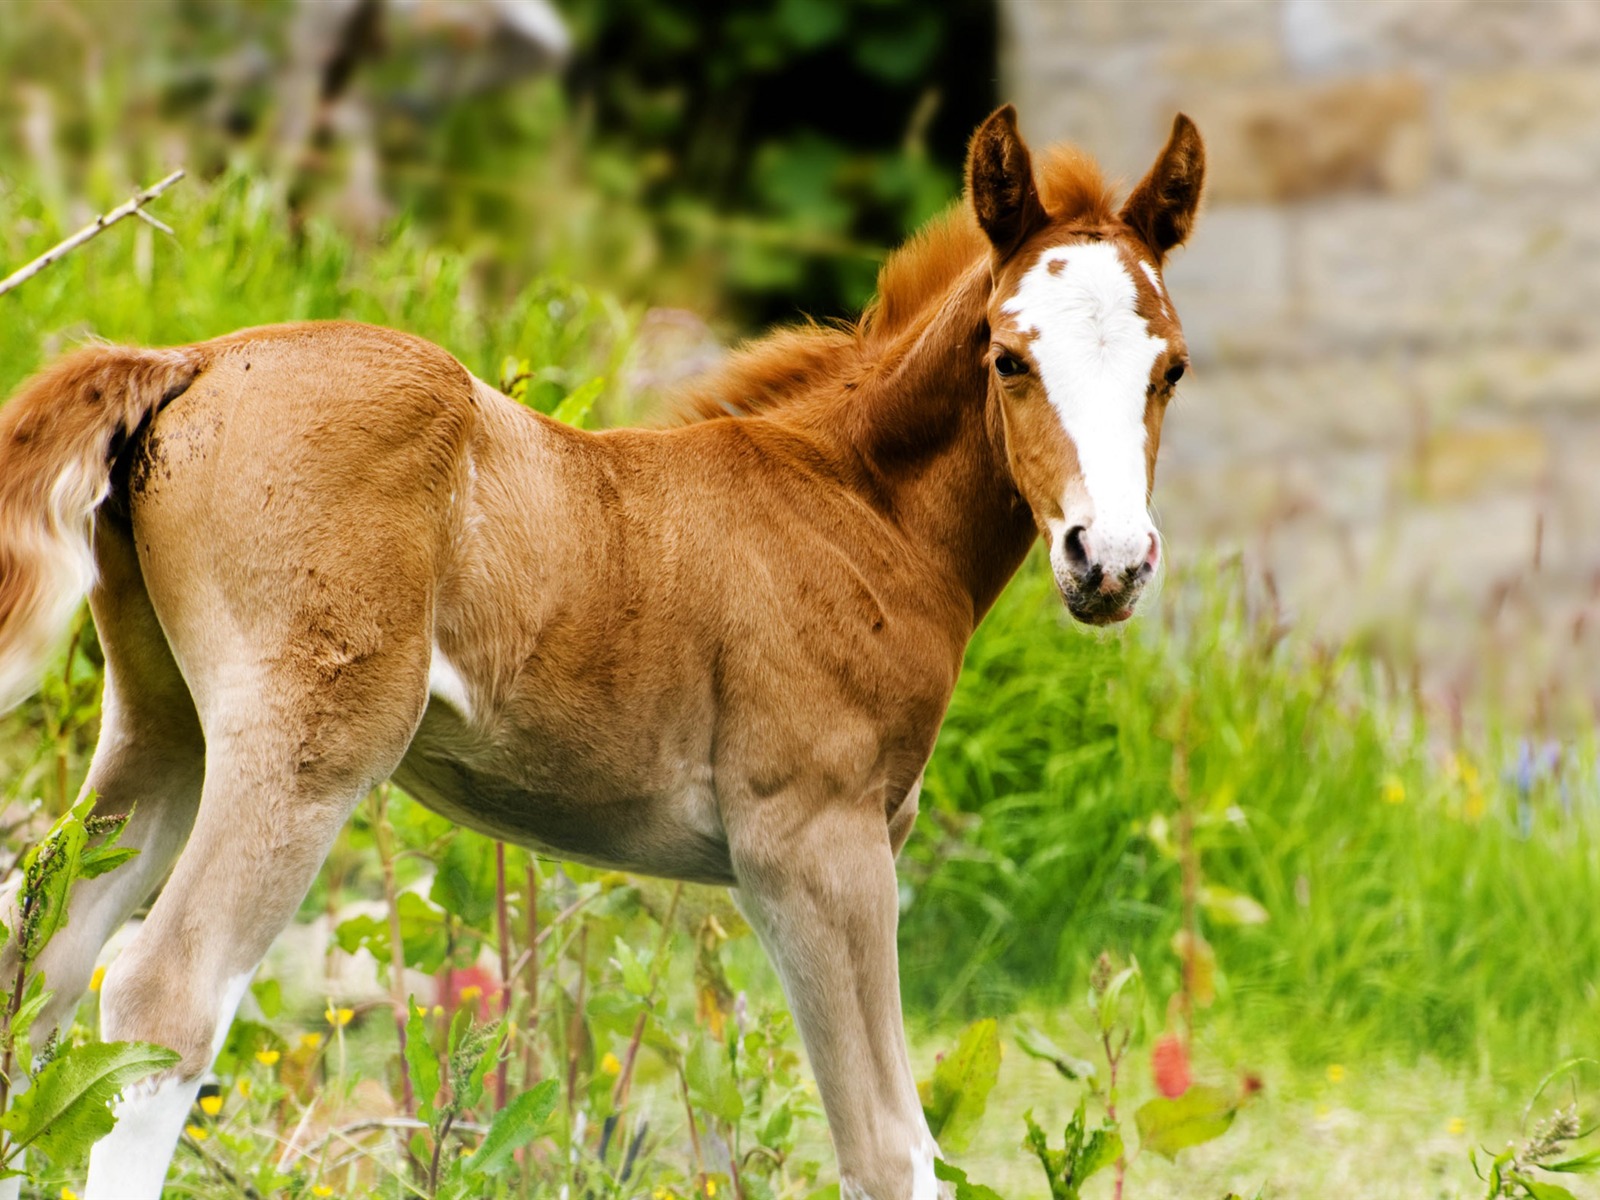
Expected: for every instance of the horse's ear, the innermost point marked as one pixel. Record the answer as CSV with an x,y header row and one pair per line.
x,y
1000,181
1162,207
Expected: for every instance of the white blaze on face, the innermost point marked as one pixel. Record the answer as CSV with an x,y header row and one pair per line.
x,y
1094,353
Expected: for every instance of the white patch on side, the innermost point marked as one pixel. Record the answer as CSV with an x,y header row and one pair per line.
x,y
1094,353
447,683
130,1162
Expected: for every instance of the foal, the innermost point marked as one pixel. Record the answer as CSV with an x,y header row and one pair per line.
x,y
324,555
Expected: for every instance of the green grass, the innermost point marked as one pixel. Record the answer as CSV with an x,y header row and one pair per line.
x,y
1428,924
1418,903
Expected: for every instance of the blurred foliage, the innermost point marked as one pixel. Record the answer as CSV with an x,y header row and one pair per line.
x,y
751,159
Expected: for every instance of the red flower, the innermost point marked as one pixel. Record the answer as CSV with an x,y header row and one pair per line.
x,y
1170,1059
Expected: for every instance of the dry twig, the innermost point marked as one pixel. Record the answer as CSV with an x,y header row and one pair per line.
x,y
133,208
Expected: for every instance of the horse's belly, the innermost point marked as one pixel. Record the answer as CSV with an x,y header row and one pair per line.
x,y
670,830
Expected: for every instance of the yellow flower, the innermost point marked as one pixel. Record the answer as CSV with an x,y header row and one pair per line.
x,y
711,1187
422,1010
470,994
339,1017
244,1086
311,1040
68,1194
1457,1126
196,1132
268,1058
322,1189
660,1193
211,1105
1335,1073
95,981
610,1064
1394,792
438,1010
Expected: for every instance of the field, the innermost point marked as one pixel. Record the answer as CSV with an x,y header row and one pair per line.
x,y
1379,923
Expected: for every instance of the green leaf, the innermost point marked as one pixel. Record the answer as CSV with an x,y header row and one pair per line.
x,y
1540,1190
1228,907
778,1125
710,1079
269,997
955,1098
423,1062
1584,1164
517,1124
574,410
1036,1045
1108,1006
68,1108
1200,1114
635,973
1101,1148
965,1189
464,883
97,861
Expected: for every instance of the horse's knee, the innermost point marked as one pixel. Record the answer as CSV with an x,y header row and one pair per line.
x,y
146,998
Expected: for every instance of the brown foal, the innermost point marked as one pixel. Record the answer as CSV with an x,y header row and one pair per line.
x,y
324,555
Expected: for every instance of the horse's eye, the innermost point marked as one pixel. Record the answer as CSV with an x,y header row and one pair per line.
x,y
1009,365
1175,373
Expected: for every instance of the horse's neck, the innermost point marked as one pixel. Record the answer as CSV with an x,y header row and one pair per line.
x,y
921,430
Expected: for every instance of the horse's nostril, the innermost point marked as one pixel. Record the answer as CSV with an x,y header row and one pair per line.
x,y
1077,553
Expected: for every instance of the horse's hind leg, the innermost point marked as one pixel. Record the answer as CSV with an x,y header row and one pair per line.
x,y
149,761
284,768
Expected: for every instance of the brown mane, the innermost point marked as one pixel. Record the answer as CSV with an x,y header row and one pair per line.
x,y
772,370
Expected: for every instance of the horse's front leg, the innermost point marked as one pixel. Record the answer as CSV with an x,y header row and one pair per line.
x,y
818,885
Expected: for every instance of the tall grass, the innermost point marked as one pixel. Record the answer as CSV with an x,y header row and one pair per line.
x,y
236,261
1417,897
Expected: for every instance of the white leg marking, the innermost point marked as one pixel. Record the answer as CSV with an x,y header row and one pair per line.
x,y
130,1162
1094,353
924,1185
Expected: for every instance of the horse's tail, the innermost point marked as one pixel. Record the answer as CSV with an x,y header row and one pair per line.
x,y
58,440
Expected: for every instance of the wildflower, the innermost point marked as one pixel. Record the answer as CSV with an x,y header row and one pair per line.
x,y
321,1189
711,1187
610,1064
311,1040
268,1058
471,993
1394,792
196,1132
339,1017
244,1086
1335,1073
1457,1127
68,1194
422,1010
438,1010
1170,1062
211,1105
95,981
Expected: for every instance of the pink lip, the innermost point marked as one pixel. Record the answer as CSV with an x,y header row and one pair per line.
x,y
1122,615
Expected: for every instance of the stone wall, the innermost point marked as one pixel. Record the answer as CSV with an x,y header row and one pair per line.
x,y
1392,298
